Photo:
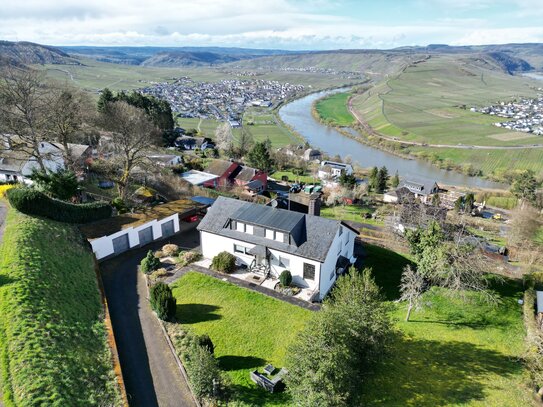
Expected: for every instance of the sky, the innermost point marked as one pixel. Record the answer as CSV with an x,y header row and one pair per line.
x,y
272,24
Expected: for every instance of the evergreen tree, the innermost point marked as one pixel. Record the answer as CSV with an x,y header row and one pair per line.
x,y
395,181
373,179
382,180
105,98
524,186
259,156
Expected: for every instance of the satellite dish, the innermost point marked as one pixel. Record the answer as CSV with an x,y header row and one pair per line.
x,y
274,203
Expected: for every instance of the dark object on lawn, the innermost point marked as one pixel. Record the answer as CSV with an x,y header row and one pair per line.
x,y
269,369
105,184
367,215
272,385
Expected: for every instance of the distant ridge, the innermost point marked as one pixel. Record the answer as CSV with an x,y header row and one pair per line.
x,y
29,53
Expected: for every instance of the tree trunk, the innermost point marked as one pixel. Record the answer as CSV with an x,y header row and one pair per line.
x,y
409,308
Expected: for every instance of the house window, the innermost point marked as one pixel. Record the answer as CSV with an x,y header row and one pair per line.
x,y
270,234
279,236
309,271
240,249
340,230
249,229
240,227
284,262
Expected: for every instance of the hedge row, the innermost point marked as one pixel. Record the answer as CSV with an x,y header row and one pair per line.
x,y
534,336
32,202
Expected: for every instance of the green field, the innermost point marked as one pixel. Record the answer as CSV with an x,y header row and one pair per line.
x,y
248,329
306,178
333,109
53,341
350,213
423,103
451,353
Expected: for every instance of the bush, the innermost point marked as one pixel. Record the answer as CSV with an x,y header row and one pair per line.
x,y
205,342
186,258
162,301
4,188
224,262
119,204
285,278
150,263
170,249
36,203
203,371
162,272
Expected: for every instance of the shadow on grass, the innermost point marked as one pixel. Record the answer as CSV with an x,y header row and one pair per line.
x,y
432,373
228,362
194,313
5,280
386,265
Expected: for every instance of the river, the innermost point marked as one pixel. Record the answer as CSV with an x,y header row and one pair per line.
x,y
297,114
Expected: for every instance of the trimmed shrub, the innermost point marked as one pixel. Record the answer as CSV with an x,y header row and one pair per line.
x,y
155,275
150,263
285,278
170,249
204,372
36,203
205,342
162,301
224,262
186,258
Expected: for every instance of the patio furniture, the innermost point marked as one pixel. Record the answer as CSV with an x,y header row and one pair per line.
x,y
271,385
269,369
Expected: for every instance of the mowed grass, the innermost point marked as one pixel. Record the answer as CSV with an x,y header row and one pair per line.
x,y
53,341
306,178
333,109
451,353
424,103
248,329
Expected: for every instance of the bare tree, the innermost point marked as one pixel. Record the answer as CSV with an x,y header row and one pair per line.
x,y
525,223
411,289
224,138
245,142
133,134
70,110
24,111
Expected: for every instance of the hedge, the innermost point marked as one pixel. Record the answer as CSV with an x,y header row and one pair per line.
x,y
36,203
534,336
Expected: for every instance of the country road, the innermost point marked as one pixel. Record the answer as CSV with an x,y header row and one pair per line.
x,y
372,132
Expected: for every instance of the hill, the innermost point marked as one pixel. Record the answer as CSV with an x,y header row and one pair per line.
x,y
28,53
183,58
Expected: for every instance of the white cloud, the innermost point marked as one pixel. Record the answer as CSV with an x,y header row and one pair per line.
x,y
501,36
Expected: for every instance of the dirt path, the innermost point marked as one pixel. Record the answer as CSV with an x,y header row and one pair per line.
x,y
151,375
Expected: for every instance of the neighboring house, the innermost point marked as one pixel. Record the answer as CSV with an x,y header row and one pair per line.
x,y
331,170
18,166
198,178
269,240
165,160
231,173
192,143
312,155
422,190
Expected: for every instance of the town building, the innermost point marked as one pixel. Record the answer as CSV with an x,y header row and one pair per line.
x,y
330,171
269,240
423,190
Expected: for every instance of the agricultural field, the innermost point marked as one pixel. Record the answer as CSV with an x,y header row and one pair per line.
x,y
249,330
451,352
492,163
429,102
53,339
333,109
94,75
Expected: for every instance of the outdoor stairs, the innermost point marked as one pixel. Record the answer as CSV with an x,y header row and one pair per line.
x,y
260,269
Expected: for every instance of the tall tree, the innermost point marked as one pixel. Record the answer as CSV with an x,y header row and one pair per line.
x,y
382,179
224,138
106,97
333,355
411,289
395,181
524,186
133,134
373,179
259,156
24,112
245,142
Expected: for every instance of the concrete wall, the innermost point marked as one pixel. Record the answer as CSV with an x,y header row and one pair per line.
x,y
103,246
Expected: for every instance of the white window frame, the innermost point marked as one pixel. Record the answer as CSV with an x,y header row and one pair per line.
x,y
279,236
249,229
240,227
268,232
244,251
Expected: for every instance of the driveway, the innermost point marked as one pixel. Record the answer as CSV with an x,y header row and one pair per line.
x,y
150,373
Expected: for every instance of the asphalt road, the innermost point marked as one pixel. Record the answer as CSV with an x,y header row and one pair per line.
x,y
150,374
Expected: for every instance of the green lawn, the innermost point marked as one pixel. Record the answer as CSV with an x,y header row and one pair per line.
x,y
53,341
308,179
248,329
451,353
333,109
352,213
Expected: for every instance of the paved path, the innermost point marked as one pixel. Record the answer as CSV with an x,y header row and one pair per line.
x,y
244,284
150,373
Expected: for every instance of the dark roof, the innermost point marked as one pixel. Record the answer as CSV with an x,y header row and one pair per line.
x,y
318,237
255,184
419,187
272,218
219,167
246,174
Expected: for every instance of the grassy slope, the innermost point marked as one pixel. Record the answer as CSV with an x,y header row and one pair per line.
x,y
451,353
333,109
53,342
248,329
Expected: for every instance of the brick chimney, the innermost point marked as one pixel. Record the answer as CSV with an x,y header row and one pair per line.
x,y
314,207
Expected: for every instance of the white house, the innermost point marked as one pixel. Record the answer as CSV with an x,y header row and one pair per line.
x,y
269,240
17,166
165,160
331,170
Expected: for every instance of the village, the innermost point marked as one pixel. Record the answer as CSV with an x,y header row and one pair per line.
x,y
223,100
526,115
